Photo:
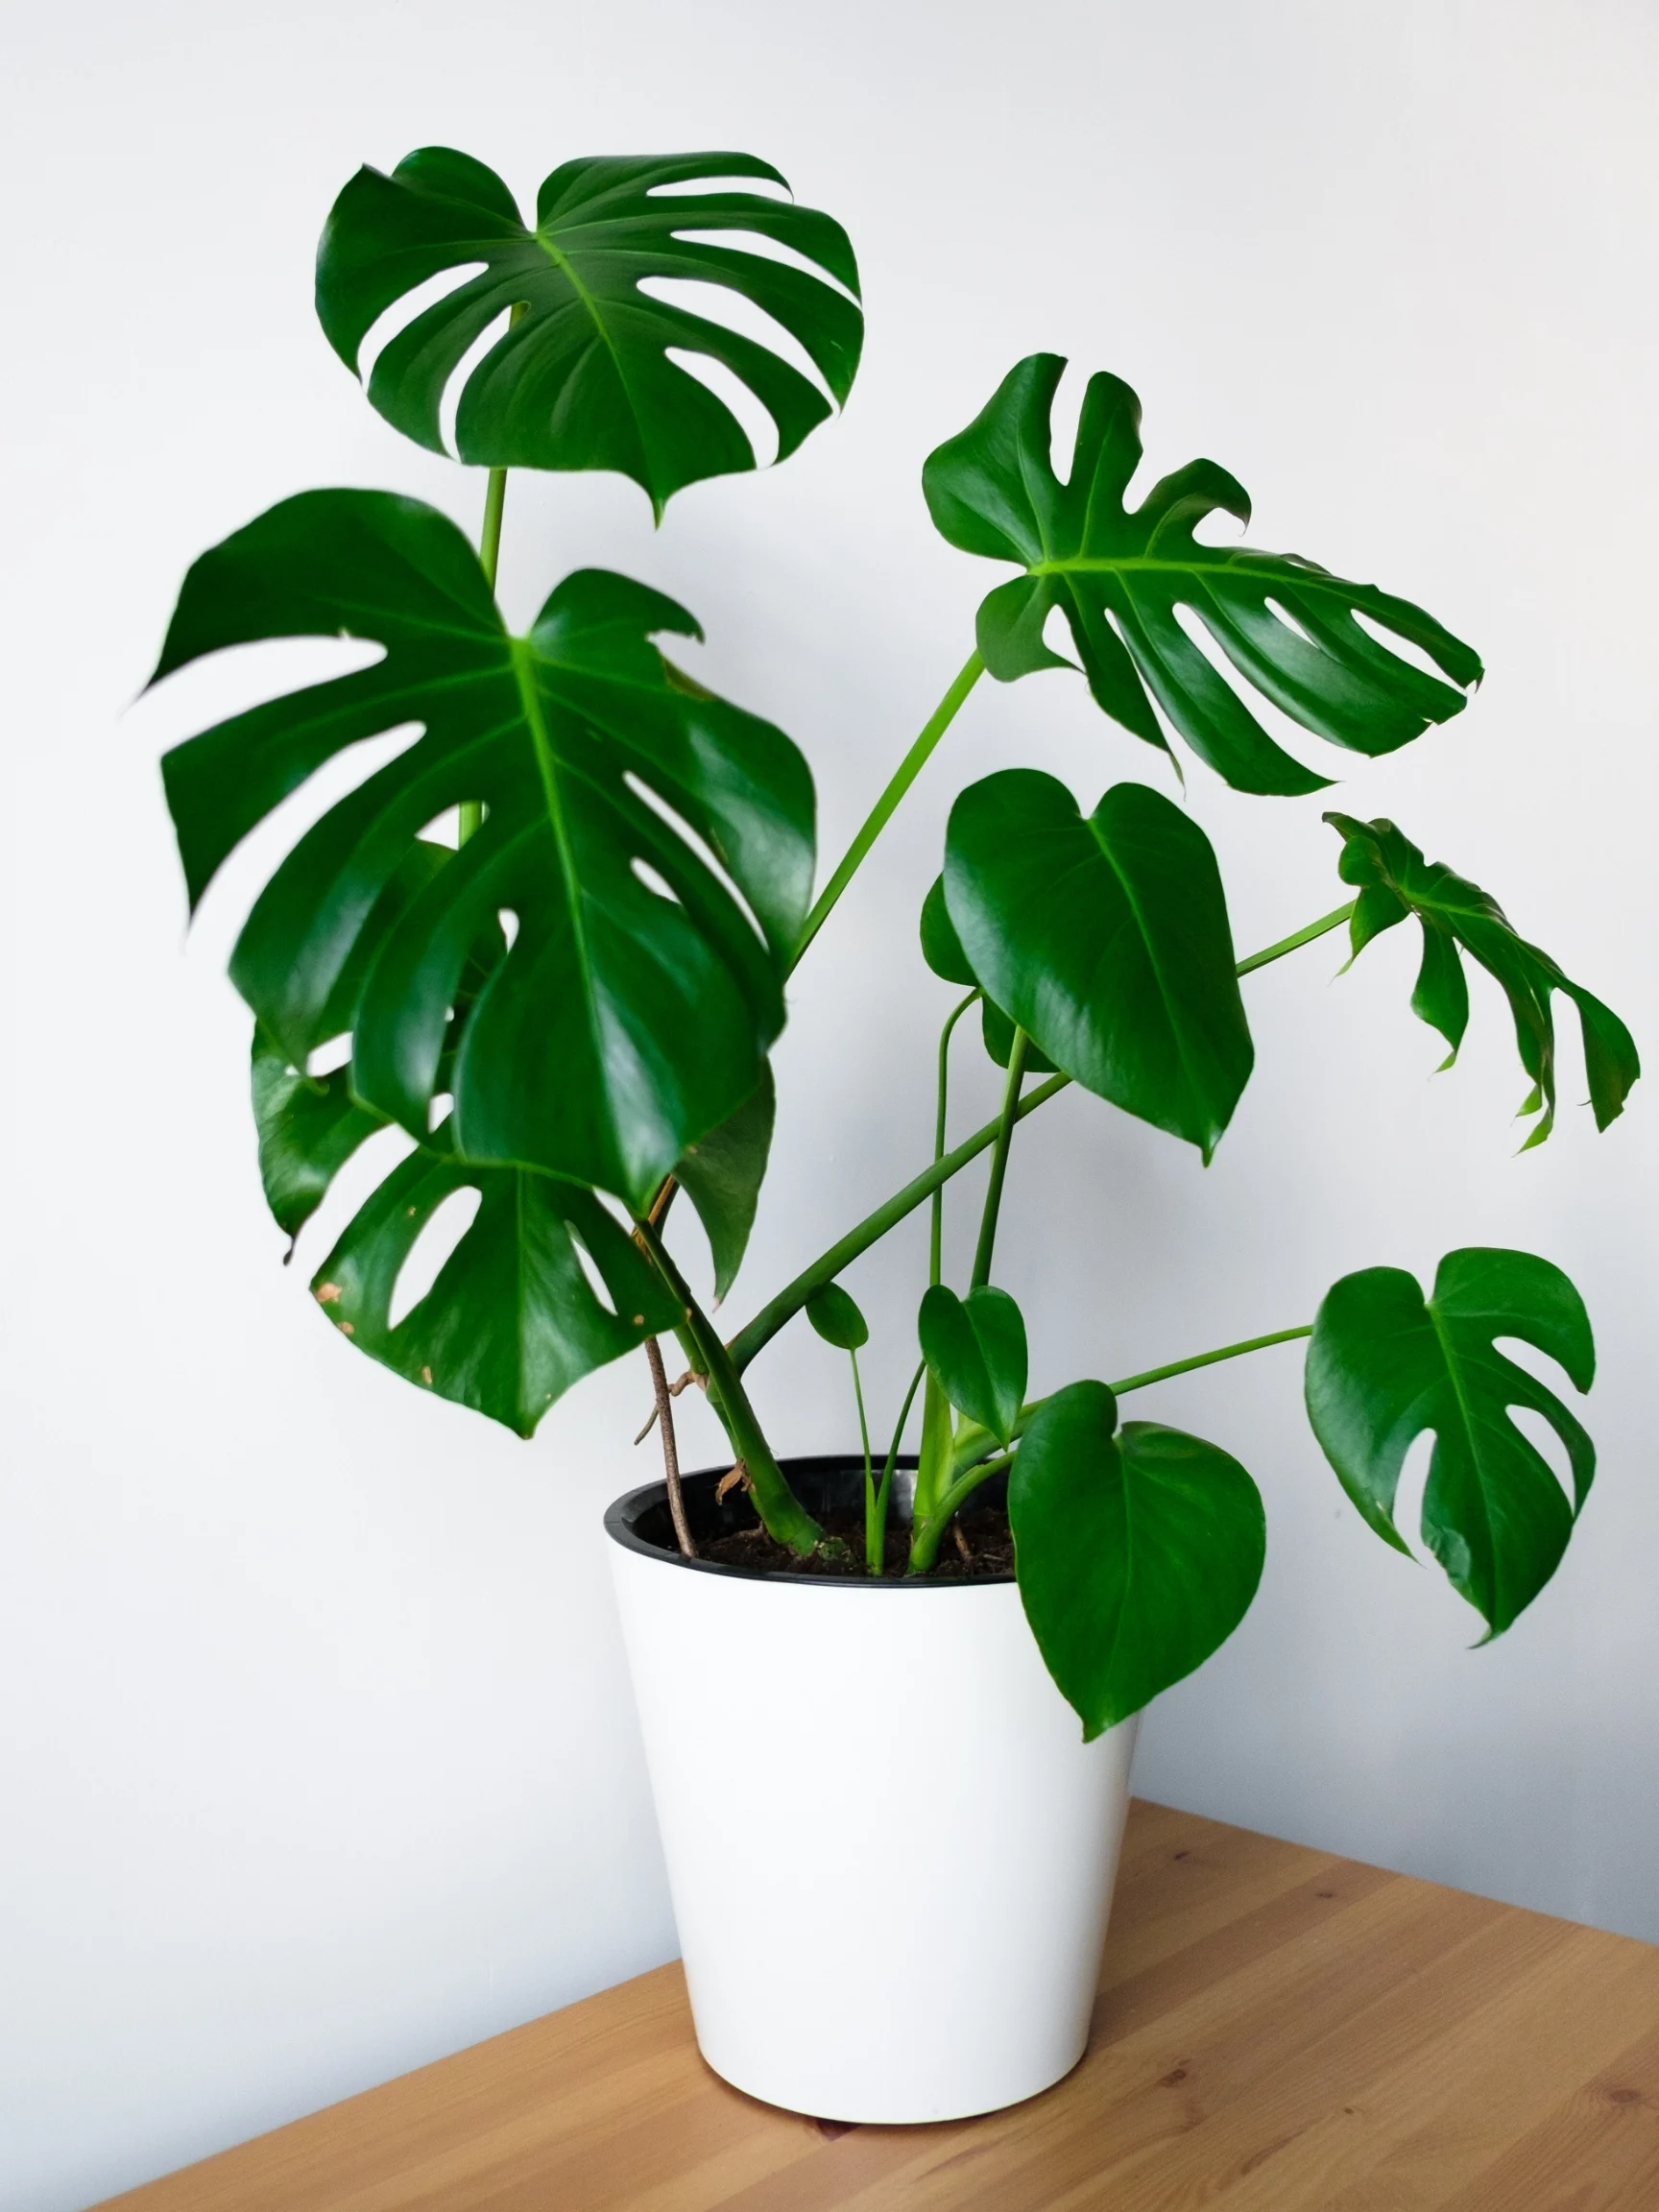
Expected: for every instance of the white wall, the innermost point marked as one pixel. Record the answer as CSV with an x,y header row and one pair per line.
x,y
318,1758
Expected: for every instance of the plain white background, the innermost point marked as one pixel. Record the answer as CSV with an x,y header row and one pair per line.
x,y
318,1759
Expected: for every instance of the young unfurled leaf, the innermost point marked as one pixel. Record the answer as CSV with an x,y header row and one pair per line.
x,y
627,1020
722,1174
1286,625
1107,940
1394,880
976,1351
1138,1554
1385,1364
834,1312
584,378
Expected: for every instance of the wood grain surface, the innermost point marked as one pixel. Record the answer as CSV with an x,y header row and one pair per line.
x,y
1278,2030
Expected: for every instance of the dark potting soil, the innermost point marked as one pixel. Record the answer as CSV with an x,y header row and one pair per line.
x,y
986,1549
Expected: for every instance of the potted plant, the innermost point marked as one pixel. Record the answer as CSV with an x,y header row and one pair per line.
x,y
550,941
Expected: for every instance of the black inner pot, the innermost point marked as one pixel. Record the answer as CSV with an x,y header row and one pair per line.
x,y
832,1483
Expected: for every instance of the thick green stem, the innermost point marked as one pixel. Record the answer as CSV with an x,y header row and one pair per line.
x,y
936,1239
930,1534
789,1300
875,1511
784,1516
884,808
999,1159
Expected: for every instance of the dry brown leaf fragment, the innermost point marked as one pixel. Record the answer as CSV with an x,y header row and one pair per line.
x,y
729,1482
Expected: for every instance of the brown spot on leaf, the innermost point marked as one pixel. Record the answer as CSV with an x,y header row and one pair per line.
x,y
638,1320
326,1294
346,1329
426,1376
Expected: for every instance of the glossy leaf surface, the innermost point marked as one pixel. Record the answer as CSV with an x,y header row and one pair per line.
x,y
976,1351
1384,1363
1457,917
722,1174
1137,1553
633,1011
1107,940
512,1319
584,378
1118,575
997,1033
942,949
834,1313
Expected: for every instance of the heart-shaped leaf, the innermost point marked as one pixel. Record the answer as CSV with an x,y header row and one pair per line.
x,y
1138,1554
585,377
1394,880
1107,940
976,1351
1288,626
1384,1363
834,1312
722,1174
633,1011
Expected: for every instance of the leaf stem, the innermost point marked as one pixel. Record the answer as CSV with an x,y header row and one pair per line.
x,y
936,1240
772,1316
999,1159
1208,1358
925,1543
784,1516
884,808
1301,937
876,1514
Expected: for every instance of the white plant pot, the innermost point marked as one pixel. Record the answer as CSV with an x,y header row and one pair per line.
x,y
890,1852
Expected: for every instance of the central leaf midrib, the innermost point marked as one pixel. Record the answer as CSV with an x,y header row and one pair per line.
x,y
567,268
542,743
1466,1414
1141,925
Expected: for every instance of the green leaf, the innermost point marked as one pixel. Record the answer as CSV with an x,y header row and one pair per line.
x,y
998,1031
832,1312
1384,1363
633,1012
308,1126
940,946
1136,1555
722,1174
511,1321
583,380
1394,880
1107,940
976,1350
1119,576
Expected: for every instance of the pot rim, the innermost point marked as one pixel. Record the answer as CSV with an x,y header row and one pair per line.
x,y
622,1512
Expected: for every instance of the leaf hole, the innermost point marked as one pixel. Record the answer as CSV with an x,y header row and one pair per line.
x,y
509,922
653,882
448,1224
590,1267
1541,1437
326,1058
1282,614
1402,648
437,1107
700,845
728,388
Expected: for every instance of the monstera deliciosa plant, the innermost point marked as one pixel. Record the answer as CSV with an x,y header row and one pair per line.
x,y
550,939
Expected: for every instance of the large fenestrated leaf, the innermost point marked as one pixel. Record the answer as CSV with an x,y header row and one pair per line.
x,y
1119,574
512,1319
1394,880
583,380
1385,1364
633,1011
1138,1554
1107,940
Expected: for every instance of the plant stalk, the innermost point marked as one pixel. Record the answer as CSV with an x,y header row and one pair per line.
x,y
876,1514
884,808
670,1451
789,1302
782,1512
924,1544
999,1159
936,1238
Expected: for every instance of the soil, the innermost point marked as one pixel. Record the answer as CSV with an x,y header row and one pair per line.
x,y
986,1538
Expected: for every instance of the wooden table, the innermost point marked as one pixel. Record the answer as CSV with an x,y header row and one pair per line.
x,y
1277,2029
